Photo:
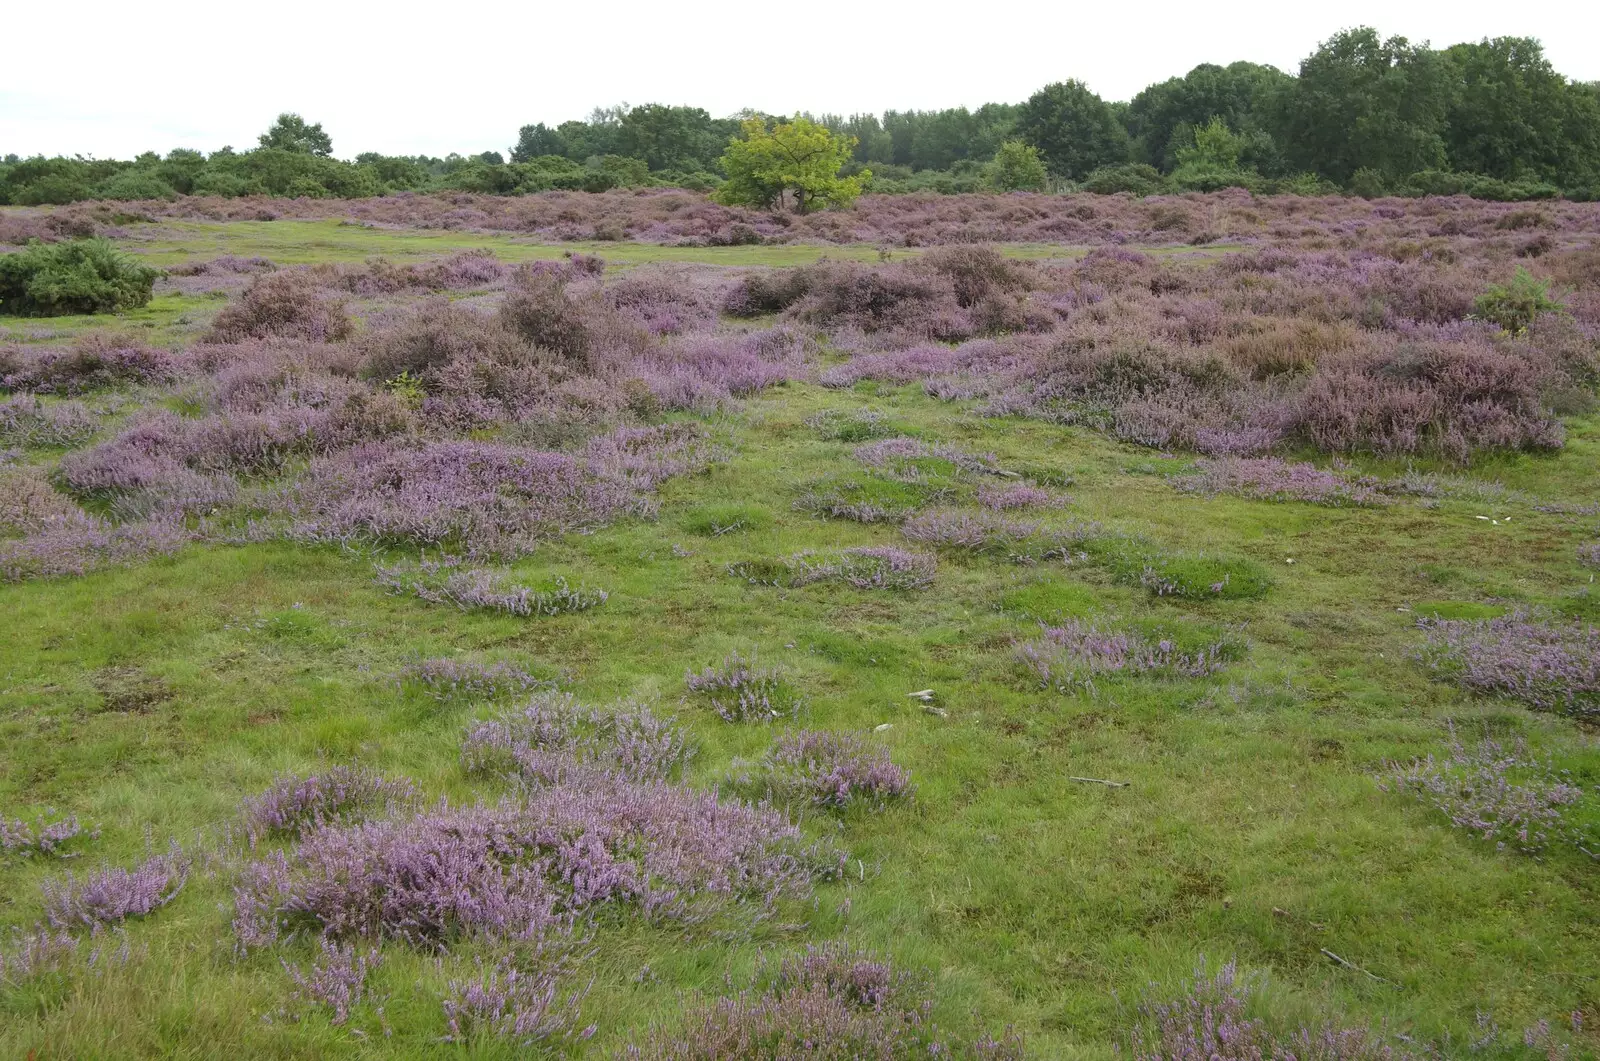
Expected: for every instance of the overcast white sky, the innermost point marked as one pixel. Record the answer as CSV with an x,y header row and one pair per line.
x,y
113,79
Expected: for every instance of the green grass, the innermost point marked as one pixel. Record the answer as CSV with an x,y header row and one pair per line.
x,y
150,700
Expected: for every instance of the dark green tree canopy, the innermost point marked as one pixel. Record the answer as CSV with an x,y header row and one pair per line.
x,y
1164,117
291,133
1075,130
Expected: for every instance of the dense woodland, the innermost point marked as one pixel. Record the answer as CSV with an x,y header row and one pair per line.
x,y
1364,114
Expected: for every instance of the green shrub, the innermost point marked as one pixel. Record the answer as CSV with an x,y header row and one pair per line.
x,y
133,184
1135,177
81,276
1515,306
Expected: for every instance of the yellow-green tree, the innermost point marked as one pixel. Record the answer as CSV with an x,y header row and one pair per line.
x,y
796,161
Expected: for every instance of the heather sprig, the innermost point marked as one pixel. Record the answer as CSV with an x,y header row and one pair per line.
x,y
863,567
1210,1020
827,769
831,1003
1499,793
48,835
445,581
739,690
552,735
1074,653
1589,554
987,532
112,894
509,1003
337,977
449,679
294,804
1271,479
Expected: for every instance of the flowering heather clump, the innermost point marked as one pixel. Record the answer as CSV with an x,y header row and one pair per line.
x,y
45,836
552,735
1074,653
664,301
448,679
836,770
113,894
28,422
910,459
982,531
337,979
1549,666
77,546
704,371
832,1004
281,305
1209,1022
95,362
1270,479
35,952
1589,554
343,793
739,691
476,588
871,498
864,567
858,425
1502,795
515,871
485,498
508,1003
1003,497
29,505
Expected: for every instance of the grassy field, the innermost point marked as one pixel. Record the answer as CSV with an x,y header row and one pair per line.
x,y
149,700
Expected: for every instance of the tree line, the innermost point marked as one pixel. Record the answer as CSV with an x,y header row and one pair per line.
x,y
1363,114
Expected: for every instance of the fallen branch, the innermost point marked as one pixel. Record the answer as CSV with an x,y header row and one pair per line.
x,y
1356,968
1101,781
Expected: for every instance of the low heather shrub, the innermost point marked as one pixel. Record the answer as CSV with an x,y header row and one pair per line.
x,y
863,567
1210,1021
912,460
77,546
508,1003
46,835
29,505
95,362
1073,654
741,691
1525,656
282,305
480,589
1270,479
112,894
702,372
36,952
514,871
1003,497
1500,794
871,498
988,532
859,425
835,770
830,1003
1589,554
26,421
448,679
487,499
294,804
337,978
1195,576
552,735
